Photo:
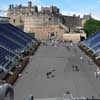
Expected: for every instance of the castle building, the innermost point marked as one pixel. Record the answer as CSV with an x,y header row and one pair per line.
x,y
17,13
4,19
30,19
50,10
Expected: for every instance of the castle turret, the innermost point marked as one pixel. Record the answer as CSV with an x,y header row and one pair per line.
x,y
10,6
35,9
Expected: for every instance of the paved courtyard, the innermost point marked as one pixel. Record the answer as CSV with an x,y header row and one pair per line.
x,y
59,61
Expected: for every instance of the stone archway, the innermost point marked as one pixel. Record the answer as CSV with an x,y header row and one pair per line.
x,y
52,35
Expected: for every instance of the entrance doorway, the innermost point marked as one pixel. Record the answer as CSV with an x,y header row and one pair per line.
x,y
52,35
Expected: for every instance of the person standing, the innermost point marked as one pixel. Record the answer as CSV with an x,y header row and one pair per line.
x,y
31,97
81,59
73,68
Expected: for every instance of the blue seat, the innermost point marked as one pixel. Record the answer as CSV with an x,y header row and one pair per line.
x,y
11,35
20,32
3,54
11,39
94,42
8,43
88,41
96,48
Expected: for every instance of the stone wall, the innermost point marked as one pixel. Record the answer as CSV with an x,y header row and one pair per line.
x,y
72,22
17,20
42,32
41,25
72,36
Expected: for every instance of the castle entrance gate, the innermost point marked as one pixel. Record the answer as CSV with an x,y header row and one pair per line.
x,y
52,35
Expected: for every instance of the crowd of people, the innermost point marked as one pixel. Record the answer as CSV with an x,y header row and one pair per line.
x,y
57,43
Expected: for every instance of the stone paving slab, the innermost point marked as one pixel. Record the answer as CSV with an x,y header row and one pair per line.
x,y
34,80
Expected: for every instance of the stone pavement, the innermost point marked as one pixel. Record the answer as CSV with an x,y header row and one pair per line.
x,y
34,79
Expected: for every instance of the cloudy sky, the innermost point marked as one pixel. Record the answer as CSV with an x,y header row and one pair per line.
x,y
69,7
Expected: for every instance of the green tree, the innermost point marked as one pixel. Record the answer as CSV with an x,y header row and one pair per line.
x,y
91,26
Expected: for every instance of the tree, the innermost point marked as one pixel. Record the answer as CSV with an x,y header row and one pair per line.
x,y
91,26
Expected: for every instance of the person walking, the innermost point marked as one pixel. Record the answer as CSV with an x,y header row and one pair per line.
x,y
81,59
77,69
31,97
73,67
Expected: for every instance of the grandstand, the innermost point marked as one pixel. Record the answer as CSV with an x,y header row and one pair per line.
x,y
13,42
92,45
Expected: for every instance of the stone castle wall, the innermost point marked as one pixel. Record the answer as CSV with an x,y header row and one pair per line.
x,y
32,22
43,32
43,22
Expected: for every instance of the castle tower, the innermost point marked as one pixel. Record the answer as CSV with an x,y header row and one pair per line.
x,y
30,4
